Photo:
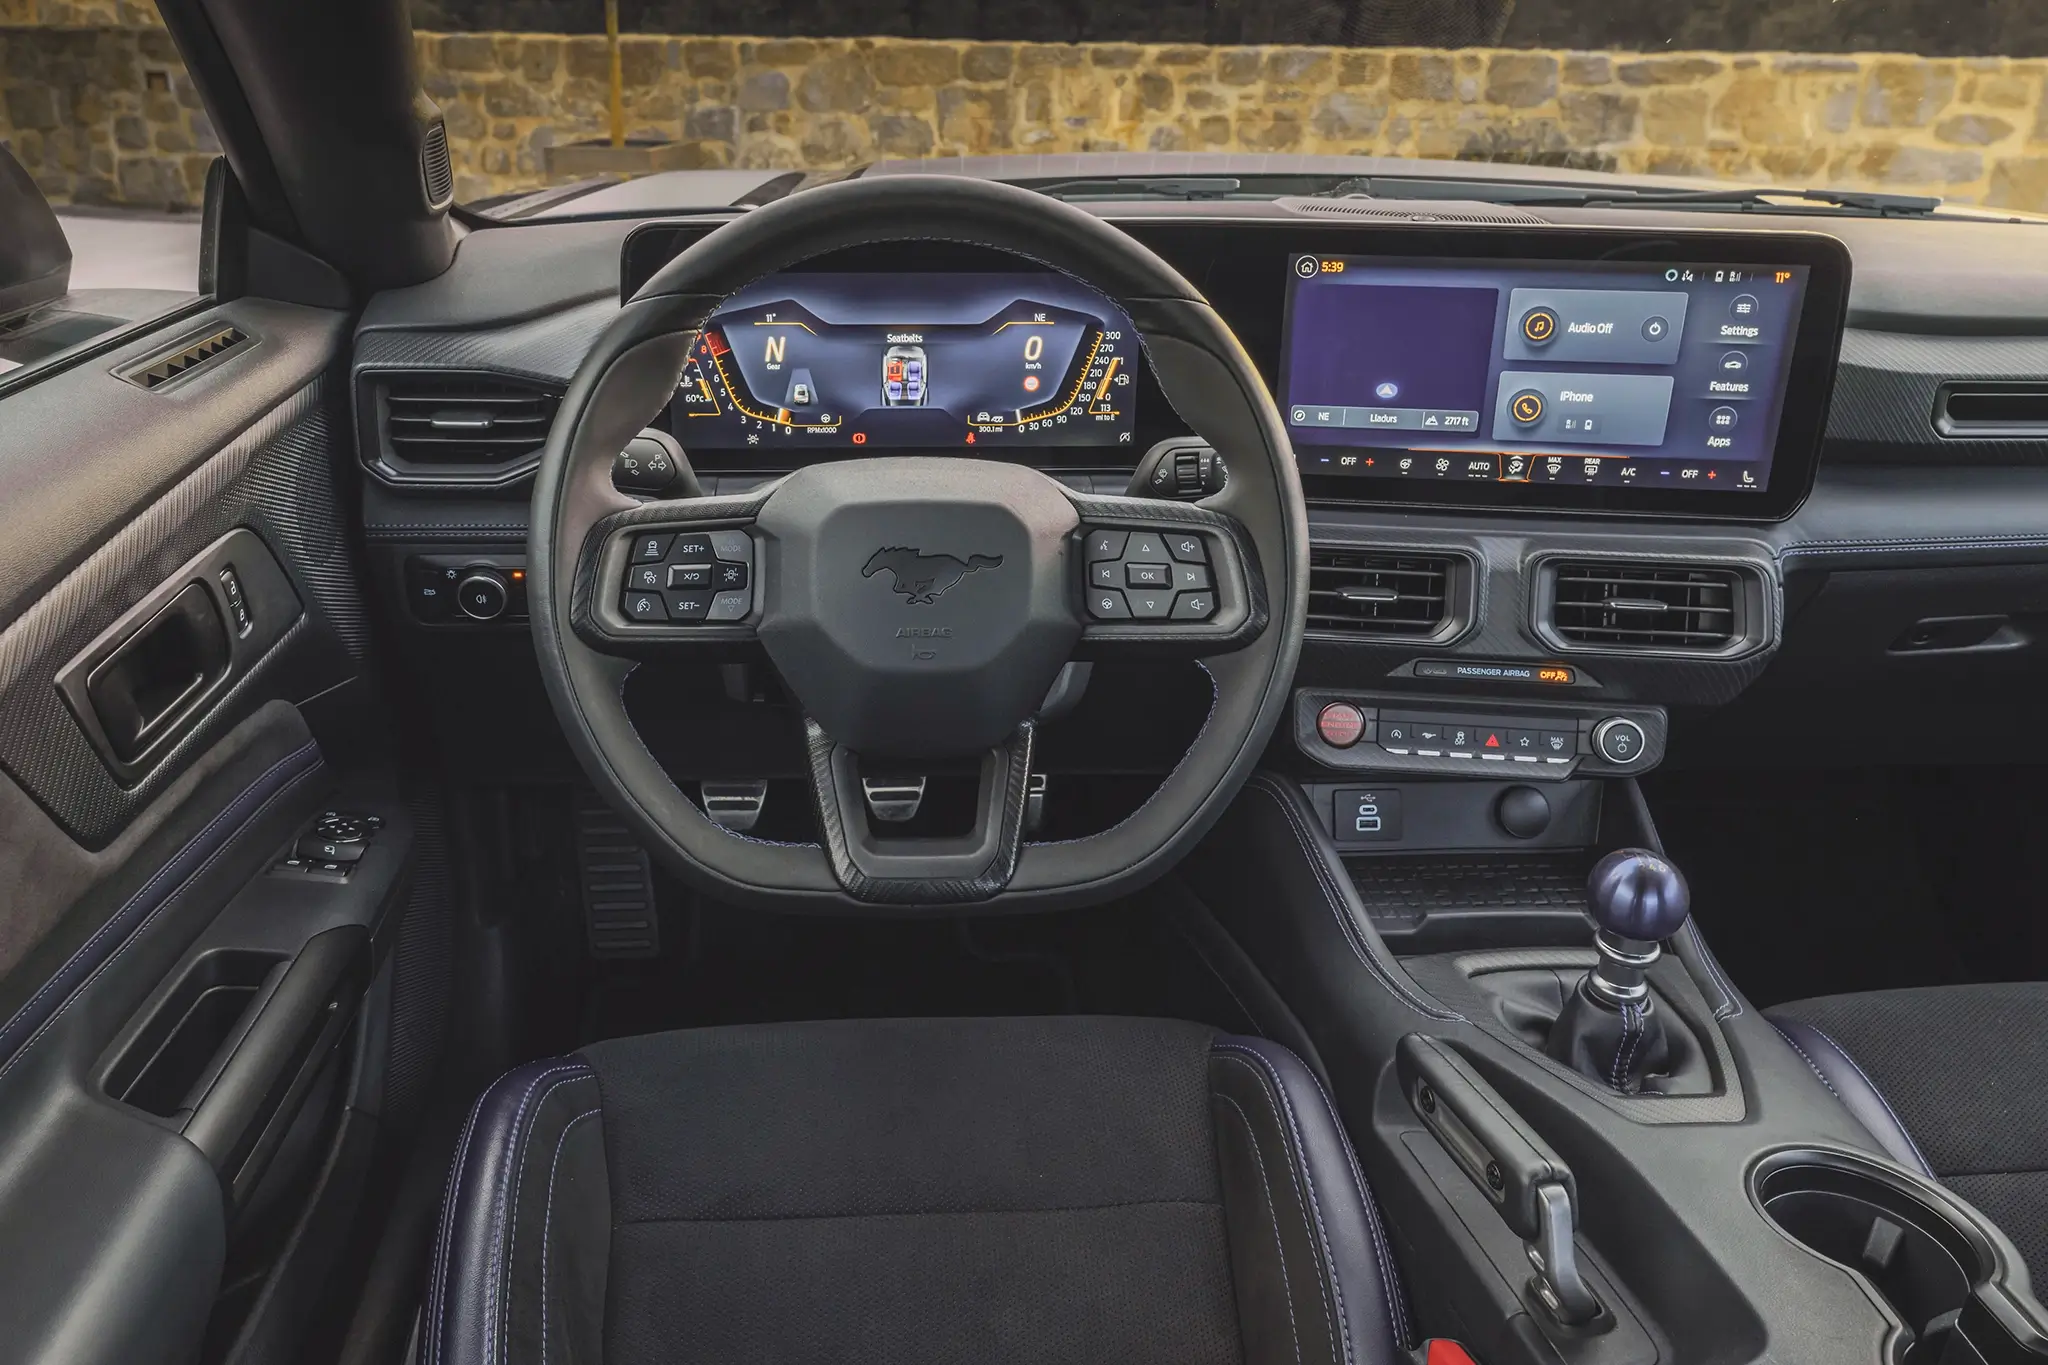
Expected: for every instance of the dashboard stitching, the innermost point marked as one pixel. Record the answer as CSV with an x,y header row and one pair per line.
x,y
1874,546
1340,910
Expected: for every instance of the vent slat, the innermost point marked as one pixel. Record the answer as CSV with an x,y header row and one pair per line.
x,y
1367,593
501,421
1644,606
437,172
187,358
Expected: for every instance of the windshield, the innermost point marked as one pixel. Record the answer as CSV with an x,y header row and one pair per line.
x,y
557,107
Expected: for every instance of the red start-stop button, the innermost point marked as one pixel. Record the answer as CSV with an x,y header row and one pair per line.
x,y
1340,724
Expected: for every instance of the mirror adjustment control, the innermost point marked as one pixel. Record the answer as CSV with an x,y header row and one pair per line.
x,y
318,850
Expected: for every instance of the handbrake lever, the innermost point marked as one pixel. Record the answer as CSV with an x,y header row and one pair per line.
x,y
1511,1165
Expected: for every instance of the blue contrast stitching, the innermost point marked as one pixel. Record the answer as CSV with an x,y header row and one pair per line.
x,y
437,1295
548,1220
1276,1095
1273,1218
128,934
1390,1274
1897,1122
492,1262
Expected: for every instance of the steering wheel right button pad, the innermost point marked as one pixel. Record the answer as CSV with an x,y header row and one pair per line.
x,y
1149,575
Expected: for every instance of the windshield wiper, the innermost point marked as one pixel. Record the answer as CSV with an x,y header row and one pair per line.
x,y
1140,187
1580,196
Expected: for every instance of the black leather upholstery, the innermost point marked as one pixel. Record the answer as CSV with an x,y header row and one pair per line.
x,y
998,1190
1951,1081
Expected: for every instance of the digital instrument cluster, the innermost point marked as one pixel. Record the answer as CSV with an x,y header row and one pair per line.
x,y
1565,374
875,361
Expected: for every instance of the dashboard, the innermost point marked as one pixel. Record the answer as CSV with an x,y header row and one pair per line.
x,y
1911,569
1681,374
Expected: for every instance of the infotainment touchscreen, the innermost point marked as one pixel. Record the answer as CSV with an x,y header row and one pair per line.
x,y
1540,373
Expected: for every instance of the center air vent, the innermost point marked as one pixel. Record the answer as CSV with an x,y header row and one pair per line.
x,y
1371,593
1597,604
445,427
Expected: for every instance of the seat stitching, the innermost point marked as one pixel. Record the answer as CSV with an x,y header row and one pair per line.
x,y
437,1298
1304,1185
1897,1122
1793,1043
1390,1273
503,1314
1273,1218
547,1221
1333,901
491,1262
134,931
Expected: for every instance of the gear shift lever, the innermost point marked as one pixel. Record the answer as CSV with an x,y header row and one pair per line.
x,y
1610,1029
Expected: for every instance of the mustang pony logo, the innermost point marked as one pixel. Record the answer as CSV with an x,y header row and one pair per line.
x,y
923,578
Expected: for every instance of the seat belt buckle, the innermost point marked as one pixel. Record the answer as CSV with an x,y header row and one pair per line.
x,y
1444,1351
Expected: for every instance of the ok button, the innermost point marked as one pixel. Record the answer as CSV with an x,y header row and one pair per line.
x,y
1145,575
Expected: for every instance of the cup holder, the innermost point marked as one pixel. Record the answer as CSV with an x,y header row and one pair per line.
x,y
1922,1251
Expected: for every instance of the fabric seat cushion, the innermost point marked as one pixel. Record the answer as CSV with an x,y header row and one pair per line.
x,y
1965,1069
969,1190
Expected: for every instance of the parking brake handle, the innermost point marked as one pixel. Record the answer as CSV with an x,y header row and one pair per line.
x,y
1511,1165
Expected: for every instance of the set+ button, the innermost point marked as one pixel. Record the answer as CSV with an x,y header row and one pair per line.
x,y
1148,576
691,577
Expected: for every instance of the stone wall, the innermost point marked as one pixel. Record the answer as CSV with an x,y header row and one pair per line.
x,y
1973,129
94,102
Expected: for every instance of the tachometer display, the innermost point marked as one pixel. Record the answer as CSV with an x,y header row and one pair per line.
x,y
893,361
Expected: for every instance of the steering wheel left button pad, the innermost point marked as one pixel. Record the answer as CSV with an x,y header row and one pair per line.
x,y
694,576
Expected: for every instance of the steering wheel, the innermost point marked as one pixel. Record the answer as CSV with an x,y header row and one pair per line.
x,y
917,608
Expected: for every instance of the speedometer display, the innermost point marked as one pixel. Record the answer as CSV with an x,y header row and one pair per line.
x,y
903,360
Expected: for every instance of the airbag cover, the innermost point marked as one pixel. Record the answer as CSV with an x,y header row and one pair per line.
x,y
918,607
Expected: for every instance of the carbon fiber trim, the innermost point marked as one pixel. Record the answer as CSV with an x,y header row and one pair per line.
x,y
1008,820
1505,601
278,479
1449,979
1885,391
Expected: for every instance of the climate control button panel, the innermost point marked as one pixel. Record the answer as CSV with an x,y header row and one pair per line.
x,y
1406,733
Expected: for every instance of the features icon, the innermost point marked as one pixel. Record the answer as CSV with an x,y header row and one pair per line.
x,y
1734,362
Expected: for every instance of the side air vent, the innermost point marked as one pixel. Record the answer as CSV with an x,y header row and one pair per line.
x,y
437,174
1609,605
184,358
452,427
1388,595
1992,411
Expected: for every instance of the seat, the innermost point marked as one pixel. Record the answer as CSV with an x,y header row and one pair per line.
x,y
1952,1081
1064,1189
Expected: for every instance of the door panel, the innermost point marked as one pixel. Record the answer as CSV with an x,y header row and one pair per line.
x,y
176,998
